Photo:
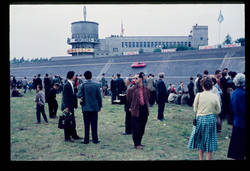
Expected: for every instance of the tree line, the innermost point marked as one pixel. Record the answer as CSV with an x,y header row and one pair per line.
x,y
22,60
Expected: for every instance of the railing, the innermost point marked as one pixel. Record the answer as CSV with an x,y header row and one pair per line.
x,y
79,40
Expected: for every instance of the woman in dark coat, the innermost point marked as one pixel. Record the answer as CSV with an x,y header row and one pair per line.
x,y
237,146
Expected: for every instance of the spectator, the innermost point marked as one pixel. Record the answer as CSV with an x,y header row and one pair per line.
x,y
178,99
68,104
191,92
19,84
34,83
198,84
15,93
225,97
128,129
103,85
161,94
237,146
25,84
38,80
172,97
80,80
172,89
47,86
91,105
230,83
226,71
151,86
75,85
204,136
217,77
52,102
138,99
40,102
205,73
120,85
30,86
184,98
113,89
215,91
13,82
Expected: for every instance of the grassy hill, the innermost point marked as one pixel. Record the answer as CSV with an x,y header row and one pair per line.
x,y
164,140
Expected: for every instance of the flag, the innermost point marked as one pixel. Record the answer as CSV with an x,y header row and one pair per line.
x,y
220,18
122,29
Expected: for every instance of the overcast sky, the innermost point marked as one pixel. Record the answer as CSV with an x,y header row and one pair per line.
x,y
42,30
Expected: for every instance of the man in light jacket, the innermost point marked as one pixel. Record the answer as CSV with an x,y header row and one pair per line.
x,y
91,105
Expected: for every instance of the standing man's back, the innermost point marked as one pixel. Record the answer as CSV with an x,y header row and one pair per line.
x,y
91,105
161,94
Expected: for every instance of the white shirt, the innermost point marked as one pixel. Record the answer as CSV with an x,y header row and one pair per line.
x,y
71,85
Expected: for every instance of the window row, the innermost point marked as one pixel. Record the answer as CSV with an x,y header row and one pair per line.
x,y
154,44
83,36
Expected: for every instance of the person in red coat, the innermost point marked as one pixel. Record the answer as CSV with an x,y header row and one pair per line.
x,y
138,102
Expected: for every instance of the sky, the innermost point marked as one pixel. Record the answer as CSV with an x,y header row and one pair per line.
x,y
42,30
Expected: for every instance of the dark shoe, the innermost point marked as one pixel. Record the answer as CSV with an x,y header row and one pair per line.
x,y
126,133
139,147
77,138
38,122
96,142
84,142
69,140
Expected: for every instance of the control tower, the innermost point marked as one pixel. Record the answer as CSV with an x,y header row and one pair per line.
x,y
84,37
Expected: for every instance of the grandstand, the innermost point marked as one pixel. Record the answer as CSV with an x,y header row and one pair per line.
x,y
177,66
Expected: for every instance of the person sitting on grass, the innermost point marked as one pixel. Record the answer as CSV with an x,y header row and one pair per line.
x,y
16,93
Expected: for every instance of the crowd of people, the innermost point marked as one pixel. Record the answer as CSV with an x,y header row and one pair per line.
x,y
213,96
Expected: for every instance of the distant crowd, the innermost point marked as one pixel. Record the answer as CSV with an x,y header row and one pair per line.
x,y
218,96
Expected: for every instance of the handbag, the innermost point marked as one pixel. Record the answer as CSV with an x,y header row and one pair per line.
x,y
65,120
218,123
195,120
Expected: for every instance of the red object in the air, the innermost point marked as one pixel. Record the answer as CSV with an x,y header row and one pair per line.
x,y
138,65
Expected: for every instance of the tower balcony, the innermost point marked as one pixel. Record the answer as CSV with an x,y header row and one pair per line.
x,y
80,50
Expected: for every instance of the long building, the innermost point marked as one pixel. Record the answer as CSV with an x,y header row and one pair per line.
x,y
85,41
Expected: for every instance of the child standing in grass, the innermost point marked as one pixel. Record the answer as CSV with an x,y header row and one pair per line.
x,y
40,102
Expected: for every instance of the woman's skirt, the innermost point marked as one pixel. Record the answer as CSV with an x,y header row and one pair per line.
x,y
204,134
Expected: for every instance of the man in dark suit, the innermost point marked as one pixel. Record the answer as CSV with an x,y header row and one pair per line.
x,y
68,104
161,95
120,85
113,88
91,105
47,86
191,92
52,102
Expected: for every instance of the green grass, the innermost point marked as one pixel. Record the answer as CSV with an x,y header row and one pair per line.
x,y
164,140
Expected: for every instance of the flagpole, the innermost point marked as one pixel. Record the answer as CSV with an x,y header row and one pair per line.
x,y
219,33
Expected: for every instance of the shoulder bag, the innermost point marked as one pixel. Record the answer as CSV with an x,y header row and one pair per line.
x,y
195,120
